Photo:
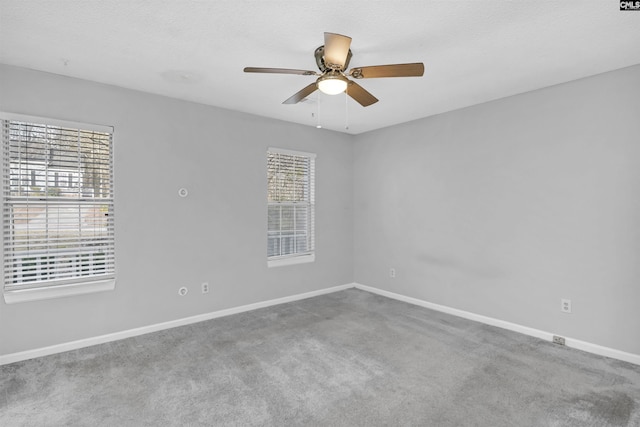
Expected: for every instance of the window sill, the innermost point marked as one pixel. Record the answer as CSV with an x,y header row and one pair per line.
x,y
36,294
280,262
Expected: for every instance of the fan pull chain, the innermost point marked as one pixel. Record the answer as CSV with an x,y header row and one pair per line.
x,y
318,125
346,109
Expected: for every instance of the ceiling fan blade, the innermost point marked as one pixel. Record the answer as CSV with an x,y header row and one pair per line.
x,y
396,70
299,96
336,49
279,71
359,93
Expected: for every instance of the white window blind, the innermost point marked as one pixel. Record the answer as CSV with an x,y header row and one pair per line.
x,y
58,218
291,204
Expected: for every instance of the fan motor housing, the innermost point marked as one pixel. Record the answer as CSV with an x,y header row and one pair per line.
x,y
322,66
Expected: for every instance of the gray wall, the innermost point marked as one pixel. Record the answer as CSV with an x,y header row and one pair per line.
x,y
499,209
504,208
217,234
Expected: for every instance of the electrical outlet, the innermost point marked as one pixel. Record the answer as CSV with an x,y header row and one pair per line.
x,y
183,291
565,305
205,288
558,340
392,273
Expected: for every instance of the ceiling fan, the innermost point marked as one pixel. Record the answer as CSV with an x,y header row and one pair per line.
x,y
332,60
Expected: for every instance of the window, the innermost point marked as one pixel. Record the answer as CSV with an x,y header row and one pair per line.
x,y
291,205
57,211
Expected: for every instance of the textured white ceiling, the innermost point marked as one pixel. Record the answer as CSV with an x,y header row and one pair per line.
x,y
473,51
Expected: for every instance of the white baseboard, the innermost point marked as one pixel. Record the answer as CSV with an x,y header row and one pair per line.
x,y
547,336
74,345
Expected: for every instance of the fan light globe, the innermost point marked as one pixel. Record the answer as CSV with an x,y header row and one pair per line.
x,y
332,83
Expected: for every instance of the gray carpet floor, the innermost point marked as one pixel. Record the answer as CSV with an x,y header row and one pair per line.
x,y
345,359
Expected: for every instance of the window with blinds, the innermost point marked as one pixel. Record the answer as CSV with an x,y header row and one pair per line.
x,y
291,205
58,218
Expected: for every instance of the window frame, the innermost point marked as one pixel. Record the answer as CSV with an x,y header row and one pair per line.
x,y
308,255
57,287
